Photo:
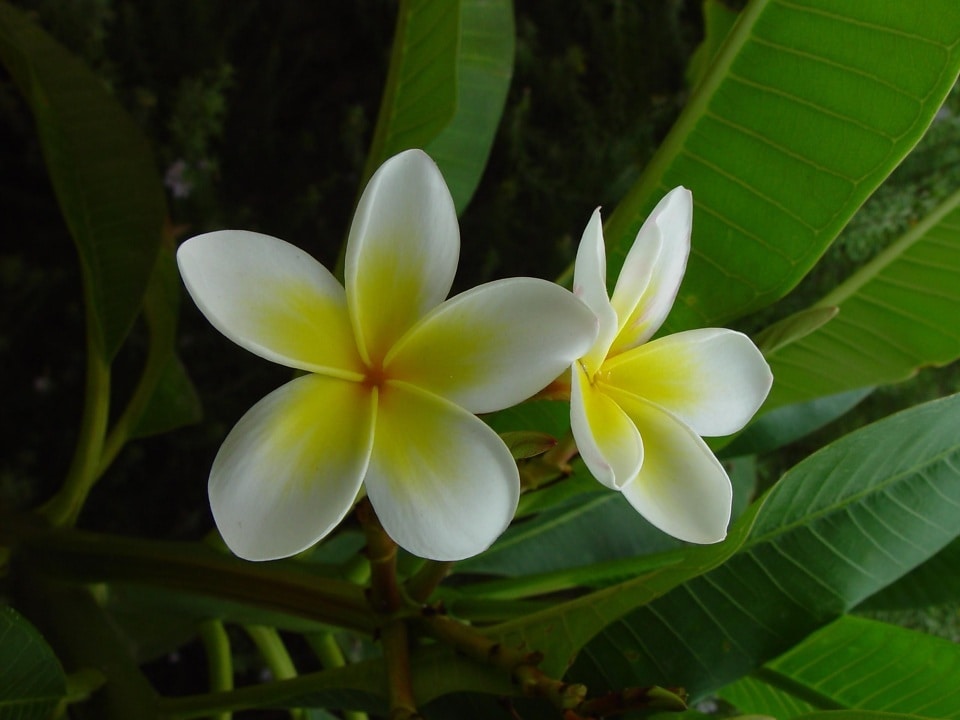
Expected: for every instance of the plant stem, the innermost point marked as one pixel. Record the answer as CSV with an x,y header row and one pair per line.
x,y
522,666
421,585
387,601
385,596
396,653
216,643
64,507
275,655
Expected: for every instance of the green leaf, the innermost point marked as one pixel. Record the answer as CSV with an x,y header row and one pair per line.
x,y
794,327
560,632
420,95
31,679
449,74
718,20
593,525
102,173
484,69
838,527
858,664
806,109
170,400
936,582
898,313
787,424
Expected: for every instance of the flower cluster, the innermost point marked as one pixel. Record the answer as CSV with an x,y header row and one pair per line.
x,y
393,375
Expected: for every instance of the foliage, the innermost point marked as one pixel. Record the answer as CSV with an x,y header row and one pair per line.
x,y
785,118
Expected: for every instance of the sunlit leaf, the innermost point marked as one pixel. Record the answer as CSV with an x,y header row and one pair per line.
x,y
102,172
420,95
858,664
718,20
806,109
484,69
897,314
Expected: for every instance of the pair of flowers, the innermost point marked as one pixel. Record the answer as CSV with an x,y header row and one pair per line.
x,y
395,375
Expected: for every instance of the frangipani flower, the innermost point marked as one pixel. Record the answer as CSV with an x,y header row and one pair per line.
x,y
637,408
394,375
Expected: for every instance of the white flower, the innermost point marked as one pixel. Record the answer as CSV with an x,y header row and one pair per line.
x,y
394,375
638,408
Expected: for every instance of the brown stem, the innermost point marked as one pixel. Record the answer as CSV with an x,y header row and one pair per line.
x,y
385,596
396,652
387,602
521,665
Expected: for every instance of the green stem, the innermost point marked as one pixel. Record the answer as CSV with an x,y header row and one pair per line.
x,y
64,507
216,643
421,585
328,651
275,655
281,586
122,429
272,650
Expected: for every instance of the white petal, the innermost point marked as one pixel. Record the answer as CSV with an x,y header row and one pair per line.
x,y
402,251
271,298
713,380
681,488
442,483
652,271
495,345
291,468
607,439
590,285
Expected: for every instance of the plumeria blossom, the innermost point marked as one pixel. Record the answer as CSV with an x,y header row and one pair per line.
x,y
393,376
639,406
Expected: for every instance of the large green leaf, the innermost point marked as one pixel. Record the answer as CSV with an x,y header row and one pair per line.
x,y
449,73
484,69
559,632
837,528
897,314
102,172
420,95
808,106
31,679
936,582
859,664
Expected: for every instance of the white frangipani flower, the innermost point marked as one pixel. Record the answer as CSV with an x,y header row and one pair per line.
x,y
638,406
394,375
